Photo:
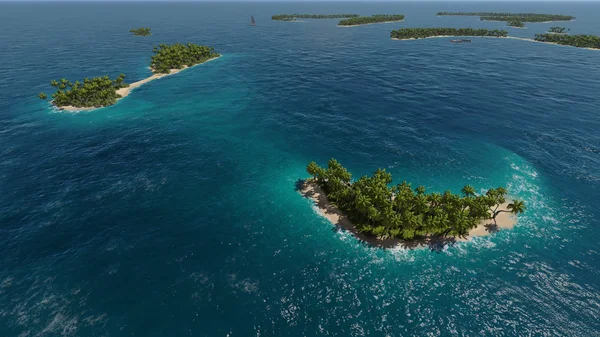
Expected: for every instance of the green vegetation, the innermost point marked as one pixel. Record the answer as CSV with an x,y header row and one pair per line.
x,y
291,17
141,31
92,93
524,17
581,41
558,30
417,33
377,209
363,20
515,23
178,56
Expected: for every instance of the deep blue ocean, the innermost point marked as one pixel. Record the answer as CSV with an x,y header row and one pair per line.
x,y
174,212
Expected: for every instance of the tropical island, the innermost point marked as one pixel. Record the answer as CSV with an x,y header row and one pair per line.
x,y
140,31
524,17
420,33
558,30
102,91
515,23
376,210
580,41
167,58
366,20
292,17
91,93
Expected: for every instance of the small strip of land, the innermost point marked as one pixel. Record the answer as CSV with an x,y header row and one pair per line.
x,y
293,17
419,33
101,92
547,41
367,20
372,23
140,31
524,17
124,92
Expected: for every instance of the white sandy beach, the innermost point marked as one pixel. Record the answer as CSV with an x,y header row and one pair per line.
x,y
494,37
372,23
124,92
310,190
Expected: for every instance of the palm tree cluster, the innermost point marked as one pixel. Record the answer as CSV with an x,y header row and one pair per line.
x,y
177,56
581,41
95,92
416,33
515,23
289,17
140,31
528,17
377,209
363,20
525,17
558,30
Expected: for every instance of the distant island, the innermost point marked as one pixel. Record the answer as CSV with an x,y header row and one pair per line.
x,y
524,17
376,210
558,30
292,17
579,41
516,23
365,20
102,91
420,33
140,31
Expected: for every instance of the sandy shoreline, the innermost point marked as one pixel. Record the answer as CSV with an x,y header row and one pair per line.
x,y
494,37
372,23
338,218
124,92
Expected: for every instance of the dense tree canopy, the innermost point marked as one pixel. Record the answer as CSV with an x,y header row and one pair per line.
x,y
515,23
140,31
377,209
363,20
177,56
95,92
289,17
524,17
416,33
581,41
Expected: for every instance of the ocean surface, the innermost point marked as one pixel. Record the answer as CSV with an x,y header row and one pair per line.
x,y
174,212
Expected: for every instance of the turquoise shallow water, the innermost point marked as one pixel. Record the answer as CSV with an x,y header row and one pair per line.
x,y
174,213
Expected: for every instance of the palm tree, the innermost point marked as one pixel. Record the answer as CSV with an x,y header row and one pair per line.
x,y
420,190
420,204
362,203
468,191
516,207
434,199
312,168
